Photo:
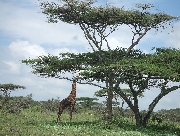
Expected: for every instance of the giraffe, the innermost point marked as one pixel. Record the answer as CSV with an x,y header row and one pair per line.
x,y
68,102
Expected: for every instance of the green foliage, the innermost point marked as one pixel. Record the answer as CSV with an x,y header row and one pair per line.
x,y
163,64
76,12
51,105
172,115
155,118
30,122
168,61
10,87
8,103
86,102
89,63
16,104
5,89
103,93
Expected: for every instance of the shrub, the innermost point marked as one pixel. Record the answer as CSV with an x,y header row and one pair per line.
x,y
16,104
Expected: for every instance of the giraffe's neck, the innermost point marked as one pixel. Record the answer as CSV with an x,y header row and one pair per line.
x,y
73,92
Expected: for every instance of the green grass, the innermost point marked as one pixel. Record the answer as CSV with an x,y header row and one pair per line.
x,y
33,123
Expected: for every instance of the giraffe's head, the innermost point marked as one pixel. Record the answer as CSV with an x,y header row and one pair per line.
x,y
75,79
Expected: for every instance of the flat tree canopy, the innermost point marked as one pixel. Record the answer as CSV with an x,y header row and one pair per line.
x,y
8,87
94,21
5,89
139,71
75,12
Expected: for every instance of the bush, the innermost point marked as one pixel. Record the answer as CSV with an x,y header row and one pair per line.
x,y
16,104
50,105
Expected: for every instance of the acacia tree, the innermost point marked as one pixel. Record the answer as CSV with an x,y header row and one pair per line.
x,y
5,90
97,24
140,72
160,70
87,102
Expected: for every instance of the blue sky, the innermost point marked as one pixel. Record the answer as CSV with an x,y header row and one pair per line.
x,y
25,33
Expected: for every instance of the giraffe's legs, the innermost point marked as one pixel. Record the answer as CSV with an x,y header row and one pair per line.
x,y
61,108
71,109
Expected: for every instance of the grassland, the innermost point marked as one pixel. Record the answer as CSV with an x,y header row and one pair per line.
x,y
31,122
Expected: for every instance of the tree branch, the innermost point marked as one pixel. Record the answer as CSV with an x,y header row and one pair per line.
x,y
137,41
162,94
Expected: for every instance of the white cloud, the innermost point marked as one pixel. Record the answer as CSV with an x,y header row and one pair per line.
x,y
13,67
31,25
25,49
115,42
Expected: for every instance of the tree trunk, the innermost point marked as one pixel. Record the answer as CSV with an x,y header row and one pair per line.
x,y
109,102
151,107
109,106
138,118
146,119
137,114
142,120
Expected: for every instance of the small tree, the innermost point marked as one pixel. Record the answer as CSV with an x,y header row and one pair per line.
x,y
5,90
103,93
86,102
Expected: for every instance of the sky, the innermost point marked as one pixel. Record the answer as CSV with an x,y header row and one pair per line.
x,y
25,33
